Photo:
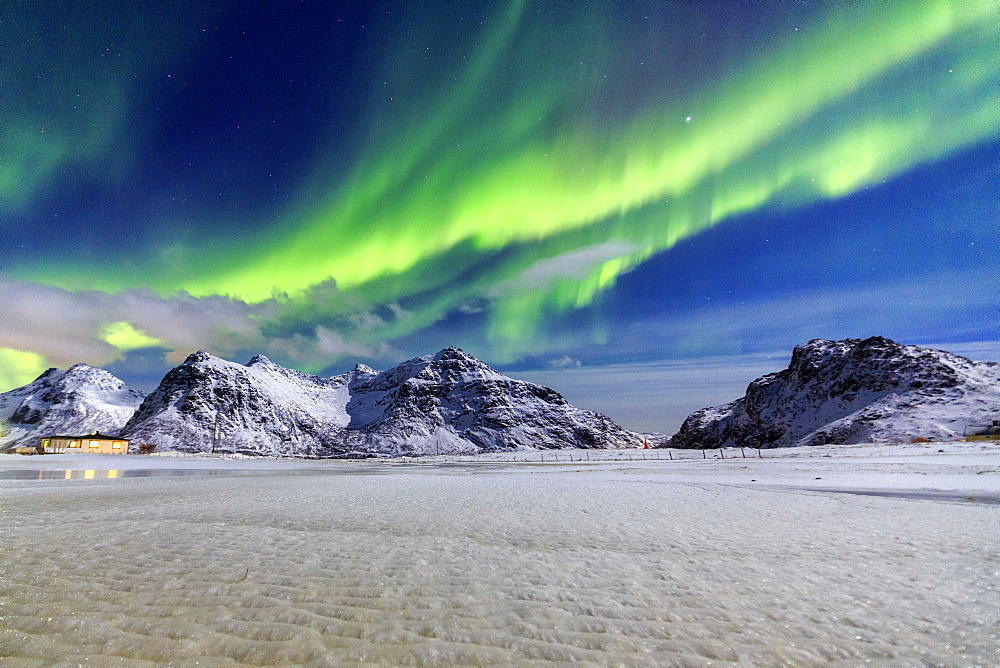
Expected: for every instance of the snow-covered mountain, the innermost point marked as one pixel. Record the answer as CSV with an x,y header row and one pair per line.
x,y
444,403
452,402
80,400
852,391
209,403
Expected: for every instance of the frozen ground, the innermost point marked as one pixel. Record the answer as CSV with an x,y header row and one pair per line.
x,y
643,562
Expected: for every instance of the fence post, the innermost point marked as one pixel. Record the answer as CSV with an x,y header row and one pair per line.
x,y
671,455
721,453
743,452
760,456
703,455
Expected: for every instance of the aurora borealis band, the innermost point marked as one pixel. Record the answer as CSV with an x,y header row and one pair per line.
x,y
542,183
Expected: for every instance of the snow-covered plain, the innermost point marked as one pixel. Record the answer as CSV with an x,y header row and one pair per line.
x,y
500,560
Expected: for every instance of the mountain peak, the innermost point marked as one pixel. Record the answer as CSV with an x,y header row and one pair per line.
x,y
262,361
453,353
198,357
79,367
47,373
84,372
851,391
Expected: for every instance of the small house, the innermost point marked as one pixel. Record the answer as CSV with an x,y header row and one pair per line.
x,y
95,443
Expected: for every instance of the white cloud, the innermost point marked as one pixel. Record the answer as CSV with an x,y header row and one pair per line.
x,y
65,327
319,348
573,265
397,311
564,362
68,327
365,320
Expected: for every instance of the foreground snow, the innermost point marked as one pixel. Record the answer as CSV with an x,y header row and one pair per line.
x,y
952,466
649,562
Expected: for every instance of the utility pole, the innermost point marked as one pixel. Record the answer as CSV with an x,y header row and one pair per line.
x,y
215,430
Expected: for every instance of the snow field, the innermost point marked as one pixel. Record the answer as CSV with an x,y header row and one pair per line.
x,y
953,468
504,564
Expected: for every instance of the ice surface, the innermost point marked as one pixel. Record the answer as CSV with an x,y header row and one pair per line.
x,y
641,562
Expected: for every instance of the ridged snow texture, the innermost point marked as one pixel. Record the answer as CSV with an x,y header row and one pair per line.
x,y
852,391
80,400
444,403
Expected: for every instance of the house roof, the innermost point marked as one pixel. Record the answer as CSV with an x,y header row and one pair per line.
x,y
95,436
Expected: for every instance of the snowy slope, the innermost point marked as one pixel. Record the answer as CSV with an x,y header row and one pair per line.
x,y
452,402
448,402
80,400
260,408
852,391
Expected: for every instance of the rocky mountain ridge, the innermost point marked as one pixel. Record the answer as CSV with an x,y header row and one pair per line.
x,y
832,392
444,403
852,391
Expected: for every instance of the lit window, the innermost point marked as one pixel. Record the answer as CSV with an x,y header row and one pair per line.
x,y
94,444
74,444
45,442
117,444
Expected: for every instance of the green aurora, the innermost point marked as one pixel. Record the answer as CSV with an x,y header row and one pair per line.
x,y
560,137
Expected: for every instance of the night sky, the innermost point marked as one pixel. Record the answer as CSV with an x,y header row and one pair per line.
x,y
644,205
